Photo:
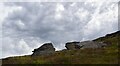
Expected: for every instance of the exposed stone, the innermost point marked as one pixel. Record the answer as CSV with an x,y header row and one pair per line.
x,y
45,49
72,45
84,44
92,44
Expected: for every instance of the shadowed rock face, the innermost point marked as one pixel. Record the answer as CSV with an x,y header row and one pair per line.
x,y
45,49
84,44
72,45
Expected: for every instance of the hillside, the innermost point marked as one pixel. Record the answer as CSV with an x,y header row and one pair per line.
x,y
107,55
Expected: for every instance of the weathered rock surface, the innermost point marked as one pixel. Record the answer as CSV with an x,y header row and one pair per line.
x,y
92,44
72,45
45,49
84,44
48,48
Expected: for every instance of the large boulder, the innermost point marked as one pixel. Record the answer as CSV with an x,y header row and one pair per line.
x,y
84,44
92,44
45,49
72,45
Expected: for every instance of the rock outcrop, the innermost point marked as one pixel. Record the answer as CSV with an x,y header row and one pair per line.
x,y
92,44
72,45
45,49
84,44
48,48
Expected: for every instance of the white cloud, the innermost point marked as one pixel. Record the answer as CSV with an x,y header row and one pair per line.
x,y
82,14
103,23
20,24
59,9
57,0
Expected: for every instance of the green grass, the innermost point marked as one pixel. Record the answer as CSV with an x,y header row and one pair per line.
x,y
107,55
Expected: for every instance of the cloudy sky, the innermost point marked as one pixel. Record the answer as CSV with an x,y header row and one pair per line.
x,y
27,25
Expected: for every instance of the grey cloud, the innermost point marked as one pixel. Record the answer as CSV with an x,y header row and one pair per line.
x,y
37,20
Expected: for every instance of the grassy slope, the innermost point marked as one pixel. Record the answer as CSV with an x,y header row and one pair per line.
x,y
108,55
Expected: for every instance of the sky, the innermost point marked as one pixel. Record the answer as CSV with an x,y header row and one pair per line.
x,y
25,26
